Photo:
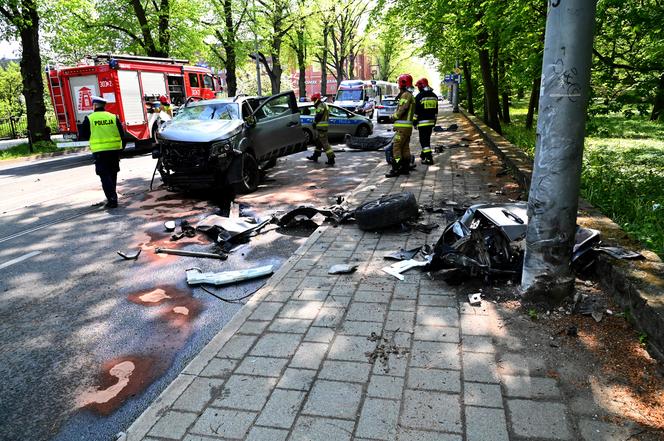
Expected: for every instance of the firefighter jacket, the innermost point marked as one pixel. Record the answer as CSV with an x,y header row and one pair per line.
x,y
426,108
322,118
104,131
403,116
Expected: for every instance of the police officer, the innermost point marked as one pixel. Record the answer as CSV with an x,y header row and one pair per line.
x,y
321,124
106,136
403,126
426,111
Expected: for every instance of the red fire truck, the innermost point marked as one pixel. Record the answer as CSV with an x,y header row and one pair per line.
x,y
131,85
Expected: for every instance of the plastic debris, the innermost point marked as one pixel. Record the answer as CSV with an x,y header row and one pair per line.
x,y
342,269
196,277
129,255
403,254
475,299
399,267
169,226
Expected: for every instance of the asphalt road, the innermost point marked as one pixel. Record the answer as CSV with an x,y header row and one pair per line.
x,y
78,322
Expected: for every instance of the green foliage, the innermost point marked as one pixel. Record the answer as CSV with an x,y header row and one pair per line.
x,y
11,89
532,313
643,338
168,28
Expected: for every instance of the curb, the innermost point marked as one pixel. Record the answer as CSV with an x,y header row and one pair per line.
x,y
142,425
637,286
39,157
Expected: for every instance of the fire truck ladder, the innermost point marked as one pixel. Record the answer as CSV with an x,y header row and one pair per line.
x,y
57,98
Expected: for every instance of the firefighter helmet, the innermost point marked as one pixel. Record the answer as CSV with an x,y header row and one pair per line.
x,y
163,99
422,83
405,80
315,97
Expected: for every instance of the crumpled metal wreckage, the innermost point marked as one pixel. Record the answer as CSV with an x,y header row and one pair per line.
x,y
489,241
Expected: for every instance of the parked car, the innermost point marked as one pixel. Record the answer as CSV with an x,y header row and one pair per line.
x,y
221,142
342,122
386,108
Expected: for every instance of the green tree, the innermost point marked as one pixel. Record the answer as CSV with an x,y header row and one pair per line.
x,y
156,28
20,19
226,30
10,91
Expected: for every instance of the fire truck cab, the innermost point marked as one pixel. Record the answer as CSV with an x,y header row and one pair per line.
x,y
131,85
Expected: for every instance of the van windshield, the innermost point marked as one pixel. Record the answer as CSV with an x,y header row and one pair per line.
x,y
350,95
209,111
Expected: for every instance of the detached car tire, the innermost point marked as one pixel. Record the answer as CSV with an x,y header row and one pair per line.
x,y
250,175
389,210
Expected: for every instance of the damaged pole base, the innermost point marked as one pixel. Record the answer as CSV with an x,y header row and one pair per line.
x,y
546,289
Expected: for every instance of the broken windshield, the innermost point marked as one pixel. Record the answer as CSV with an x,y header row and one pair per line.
x,y
209,111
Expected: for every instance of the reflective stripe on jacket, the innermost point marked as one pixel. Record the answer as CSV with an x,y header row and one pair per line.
x,y
426,107
104,133
403,116
322,117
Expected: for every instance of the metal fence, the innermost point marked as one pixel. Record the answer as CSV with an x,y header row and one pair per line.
x,y
14,127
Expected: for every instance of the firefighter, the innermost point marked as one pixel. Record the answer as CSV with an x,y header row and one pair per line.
x,y
106,135
320,125
426,111
166,105
403,126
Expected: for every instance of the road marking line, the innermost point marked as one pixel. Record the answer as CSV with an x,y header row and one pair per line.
x,y
19,259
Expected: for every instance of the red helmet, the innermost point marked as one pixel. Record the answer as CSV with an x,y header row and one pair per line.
x,y
163,99
405,80
315,97
422,83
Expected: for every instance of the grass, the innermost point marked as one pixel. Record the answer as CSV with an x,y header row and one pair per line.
x,y
23,150
623,170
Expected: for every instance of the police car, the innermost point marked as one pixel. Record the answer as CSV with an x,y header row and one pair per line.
x,y
342,122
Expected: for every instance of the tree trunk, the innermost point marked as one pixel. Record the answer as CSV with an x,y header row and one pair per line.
x,y
658,105
505,93
469,87
506,107
33,84
323,63
229,49
534,102
301,63
231,66
490,92
496,78
275,73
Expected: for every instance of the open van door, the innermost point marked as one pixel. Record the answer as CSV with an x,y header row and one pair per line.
x,y
276,129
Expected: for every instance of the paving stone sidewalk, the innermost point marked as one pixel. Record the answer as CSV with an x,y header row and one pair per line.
x,y
294,365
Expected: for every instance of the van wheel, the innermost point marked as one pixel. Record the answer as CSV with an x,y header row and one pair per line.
x,y
250,175
363,131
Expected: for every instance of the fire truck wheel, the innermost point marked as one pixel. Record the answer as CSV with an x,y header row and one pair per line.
x,y
250,175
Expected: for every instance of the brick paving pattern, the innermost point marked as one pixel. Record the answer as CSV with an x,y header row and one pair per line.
x,y
297,368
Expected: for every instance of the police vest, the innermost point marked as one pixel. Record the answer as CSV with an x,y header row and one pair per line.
x,y
104,133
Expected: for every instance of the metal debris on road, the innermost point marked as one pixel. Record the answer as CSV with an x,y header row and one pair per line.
x,y
185,253
169,226
336,214
129,255
342,269
196,277
230,232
